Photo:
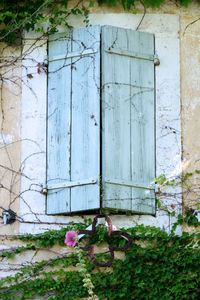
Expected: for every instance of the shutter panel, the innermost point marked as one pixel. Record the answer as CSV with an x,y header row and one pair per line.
x,y
73,146
128,147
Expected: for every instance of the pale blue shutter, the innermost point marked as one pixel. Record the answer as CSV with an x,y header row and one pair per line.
x,y
128,120
73,123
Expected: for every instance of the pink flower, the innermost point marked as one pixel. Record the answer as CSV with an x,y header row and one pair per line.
x,y
70,238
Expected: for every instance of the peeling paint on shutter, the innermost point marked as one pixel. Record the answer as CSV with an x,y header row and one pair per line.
x,y
73,123
128,120
127,125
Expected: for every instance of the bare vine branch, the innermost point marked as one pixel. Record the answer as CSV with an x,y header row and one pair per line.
x,y
144,13
190,24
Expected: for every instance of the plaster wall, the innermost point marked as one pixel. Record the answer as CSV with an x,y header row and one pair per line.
x,y
189,37
177,94
168,126
190,98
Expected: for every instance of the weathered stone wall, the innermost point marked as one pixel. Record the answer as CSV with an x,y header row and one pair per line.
x,y
10,127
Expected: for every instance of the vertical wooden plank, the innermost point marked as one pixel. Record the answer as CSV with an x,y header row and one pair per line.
x,y
128,150
142,125
116,158
58,122
85,142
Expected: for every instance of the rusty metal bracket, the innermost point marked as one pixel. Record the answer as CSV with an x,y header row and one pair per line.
x,y
92,232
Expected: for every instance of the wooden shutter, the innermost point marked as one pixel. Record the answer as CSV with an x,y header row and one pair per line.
x,y
73,126
128,138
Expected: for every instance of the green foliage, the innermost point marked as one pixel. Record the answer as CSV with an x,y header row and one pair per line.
x,y
128,4
51,237
157,266
191,219
19,15
179,180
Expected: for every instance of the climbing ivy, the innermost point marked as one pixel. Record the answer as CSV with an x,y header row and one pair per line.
x,y
157,266
19,15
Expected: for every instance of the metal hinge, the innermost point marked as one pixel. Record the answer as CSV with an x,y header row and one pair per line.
x,y
128,184
130,54
69,184
75,54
